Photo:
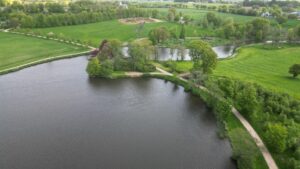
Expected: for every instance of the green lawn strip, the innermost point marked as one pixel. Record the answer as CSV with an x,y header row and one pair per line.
x,y
19,50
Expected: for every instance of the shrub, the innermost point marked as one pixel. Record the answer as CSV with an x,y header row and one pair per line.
x,y
295,70
93,67
276,136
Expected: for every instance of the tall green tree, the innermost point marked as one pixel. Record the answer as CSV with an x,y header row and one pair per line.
x,y
93,67
182,32
159,35
295,70
204,58
246,99
140,52
276,136
258,29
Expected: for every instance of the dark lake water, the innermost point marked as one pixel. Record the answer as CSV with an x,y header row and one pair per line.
x,y
53,117
164,54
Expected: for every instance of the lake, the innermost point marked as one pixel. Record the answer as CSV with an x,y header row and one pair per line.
x,y
164,54
52,116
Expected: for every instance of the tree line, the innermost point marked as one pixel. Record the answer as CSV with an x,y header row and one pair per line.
x,y
276,116
50,15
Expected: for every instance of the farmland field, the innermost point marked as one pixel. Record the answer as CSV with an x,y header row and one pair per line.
x,y
18,50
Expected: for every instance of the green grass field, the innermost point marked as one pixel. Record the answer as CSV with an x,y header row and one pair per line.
x,y
198,14
267,67
96,32
17,50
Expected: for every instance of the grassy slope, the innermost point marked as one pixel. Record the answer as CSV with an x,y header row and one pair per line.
x,y
96,32
17,50
268,67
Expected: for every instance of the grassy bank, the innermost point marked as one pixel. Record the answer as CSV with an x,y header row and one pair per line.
x,y
94,33
19,50
264,65
244,148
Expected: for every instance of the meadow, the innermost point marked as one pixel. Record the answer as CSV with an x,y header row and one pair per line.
x,y
96,32
198,14
17,50
265,66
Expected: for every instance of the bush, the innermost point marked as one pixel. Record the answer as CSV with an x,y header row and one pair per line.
x,y
106,68
276,136
93,67
243,149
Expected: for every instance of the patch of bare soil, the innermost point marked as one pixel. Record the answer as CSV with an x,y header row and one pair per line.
x,y
134,21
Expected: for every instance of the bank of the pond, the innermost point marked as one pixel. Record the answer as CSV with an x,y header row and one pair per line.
x,y
29,50
248,148
49,59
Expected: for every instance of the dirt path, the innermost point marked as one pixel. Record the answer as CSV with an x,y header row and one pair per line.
x,y
260,144
258,141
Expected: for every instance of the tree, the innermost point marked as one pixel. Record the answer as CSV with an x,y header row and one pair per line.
x,y
281,19
228,28
182,32
2,3
291,35
295,70
159,35
171,14
246,99
258,29
140,52
204,23
204,58
276,135
93,67
213,19
106,68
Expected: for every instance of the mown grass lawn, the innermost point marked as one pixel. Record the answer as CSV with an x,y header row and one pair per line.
x,y
16,50
96,32
267,67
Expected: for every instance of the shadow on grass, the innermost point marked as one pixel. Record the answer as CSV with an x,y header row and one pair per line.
x,y
297,79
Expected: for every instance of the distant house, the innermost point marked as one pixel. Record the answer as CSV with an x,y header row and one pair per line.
x,y
124,6
297,13
266,15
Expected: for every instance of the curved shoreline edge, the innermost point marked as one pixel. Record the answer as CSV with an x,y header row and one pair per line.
x,y
17,68
247,126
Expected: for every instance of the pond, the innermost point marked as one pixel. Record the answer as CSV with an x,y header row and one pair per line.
x,y
53,116
174,54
